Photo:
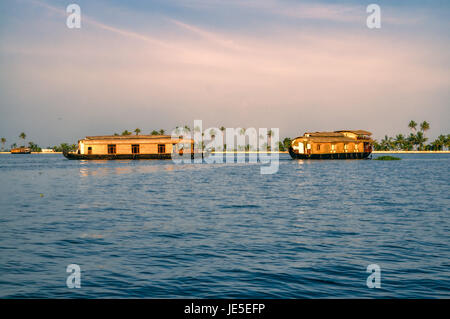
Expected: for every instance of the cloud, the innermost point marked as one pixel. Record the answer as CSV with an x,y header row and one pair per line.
x,y
107,78
307,10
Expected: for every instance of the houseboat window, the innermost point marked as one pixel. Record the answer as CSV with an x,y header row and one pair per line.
x,y
345,147
333,147
135,149
161,148
111,148
89,150
318,147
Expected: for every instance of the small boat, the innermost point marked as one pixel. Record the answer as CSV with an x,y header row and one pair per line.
x,y
345,144
112,147
21,150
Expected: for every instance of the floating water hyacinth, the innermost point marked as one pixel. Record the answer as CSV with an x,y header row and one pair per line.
x,y
387,158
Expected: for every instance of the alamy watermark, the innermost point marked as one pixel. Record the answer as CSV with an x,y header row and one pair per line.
x,y
219,145
373,21
374,279
73,20
74,279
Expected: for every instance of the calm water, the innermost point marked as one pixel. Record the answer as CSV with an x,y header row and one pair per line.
x,y
158,230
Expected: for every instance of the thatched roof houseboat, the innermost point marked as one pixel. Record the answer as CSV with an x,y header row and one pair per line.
x,y
21,150
111,147
345,144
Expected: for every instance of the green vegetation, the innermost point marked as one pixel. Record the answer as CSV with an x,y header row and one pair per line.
x,y
34,147
125,133
284,146
416,140
387,158
64,147
23,136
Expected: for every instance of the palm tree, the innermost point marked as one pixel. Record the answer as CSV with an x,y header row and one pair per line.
x,y
154,132
442,140
34,147
281,147
3,141
222,128
287,143
412,125
137,131
412,140
125,133
23,136
424,126
212,132
386,143
438,143
161,131
400,142
269,139
420,140
447,141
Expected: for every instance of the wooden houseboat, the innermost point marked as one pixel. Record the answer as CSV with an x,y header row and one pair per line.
x,y
21,150
345,144
113,147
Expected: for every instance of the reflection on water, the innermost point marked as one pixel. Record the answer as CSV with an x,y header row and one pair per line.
x,y
157,229
102,168
104,171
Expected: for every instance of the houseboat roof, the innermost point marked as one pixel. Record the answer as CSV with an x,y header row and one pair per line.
x,y
358,132
324,134
325,139
336,136
126,137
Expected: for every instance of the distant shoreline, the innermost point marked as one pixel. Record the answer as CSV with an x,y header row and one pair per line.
x,y
411,152
285,152
34,153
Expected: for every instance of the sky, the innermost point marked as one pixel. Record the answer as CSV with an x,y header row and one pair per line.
x,y
294,65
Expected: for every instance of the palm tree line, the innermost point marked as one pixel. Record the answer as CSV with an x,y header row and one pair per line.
x,y
138,131
33,146
416,140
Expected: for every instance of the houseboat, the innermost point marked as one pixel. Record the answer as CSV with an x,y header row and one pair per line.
x,y
345,144
113,147
21,150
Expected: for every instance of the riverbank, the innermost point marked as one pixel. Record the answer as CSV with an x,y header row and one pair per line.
x,y
411,152
285,152
35,152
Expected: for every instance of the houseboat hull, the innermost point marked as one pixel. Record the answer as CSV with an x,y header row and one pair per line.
x,y
349,155
21,151
130,147
74,156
